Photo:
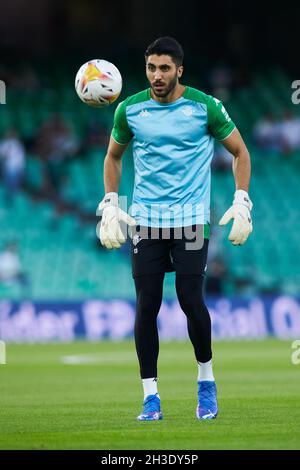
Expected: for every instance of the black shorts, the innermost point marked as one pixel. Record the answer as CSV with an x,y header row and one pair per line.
x,y
183,250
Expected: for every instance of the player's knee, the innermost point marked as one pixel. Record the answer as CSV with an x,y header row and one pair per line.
x,y
190,307
189,293
148,301
191,302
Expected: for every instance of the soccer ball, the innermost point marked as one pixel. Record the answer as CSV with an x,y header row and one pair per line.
x,y
98,83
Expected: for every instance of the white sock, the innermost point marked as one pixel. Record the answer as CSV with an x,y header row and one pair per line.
x,y
205,371
150,386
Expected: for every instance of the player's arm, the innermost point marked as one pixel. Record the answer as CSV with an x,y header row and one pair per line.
x,y
113,165
242,205
223,129
109,230
241,163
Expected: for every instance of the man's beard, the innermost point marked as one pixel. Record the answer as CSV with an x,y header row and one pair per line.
x,y
167,90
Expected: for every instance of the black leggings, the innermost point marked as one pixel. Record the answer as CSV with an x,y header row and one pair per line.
x,y
149,289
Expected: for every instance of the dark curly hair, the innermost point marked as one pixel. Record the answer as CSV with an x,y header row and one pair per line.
x,y
166,45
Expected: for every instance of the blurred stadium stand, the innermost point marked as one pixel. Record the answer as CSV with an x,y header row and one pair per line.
x,y
59,251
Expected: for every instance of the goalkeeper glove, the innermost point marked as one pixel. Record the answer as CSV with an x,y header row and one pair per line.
x,y
240,213
111,235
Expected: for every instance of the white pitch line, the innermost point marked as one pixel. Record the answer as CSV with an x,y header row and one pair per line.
x,y
2,352
98,358
121,357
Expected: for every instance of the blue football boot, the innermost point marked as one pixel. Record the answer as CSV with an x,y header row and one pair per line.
x,y
151,409
207,407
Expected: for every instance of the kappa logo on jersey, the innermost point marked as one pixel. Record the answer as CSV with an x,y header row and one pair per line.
x,y
144,113
187,110
223,110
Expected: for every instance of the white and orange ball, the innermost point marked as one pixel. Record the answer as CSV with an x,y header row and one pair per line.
x,y
98,83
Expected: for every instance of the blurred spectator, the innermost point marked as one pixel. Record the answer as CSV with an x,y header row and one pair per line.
x,y
97,135
221,81
216,275
215,241
242,75
289,132
266,133
25,80
12,158
55,145
222,160
10,266
278,136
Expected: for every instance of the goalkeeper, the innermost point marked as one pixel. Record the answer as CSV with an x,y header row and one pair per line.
x,y
172,128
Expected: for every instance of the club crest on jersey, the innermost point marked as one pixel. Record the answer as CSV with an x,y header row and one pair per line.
x,y
136,239
187,110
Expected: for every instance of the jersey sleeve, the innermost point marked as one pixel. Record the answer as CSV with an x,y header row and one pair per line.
x,y
121,132
219,122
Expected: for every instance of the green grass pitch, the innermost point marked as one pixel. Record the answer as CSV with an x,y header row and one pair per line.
x,y
93,404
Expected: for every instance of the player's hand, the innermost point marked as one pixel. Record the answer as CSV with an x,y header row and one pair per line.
x,y
110,232
240,213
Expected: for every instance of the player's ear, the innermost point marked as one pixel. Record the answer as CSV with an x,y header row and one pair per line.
x,y
180,71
